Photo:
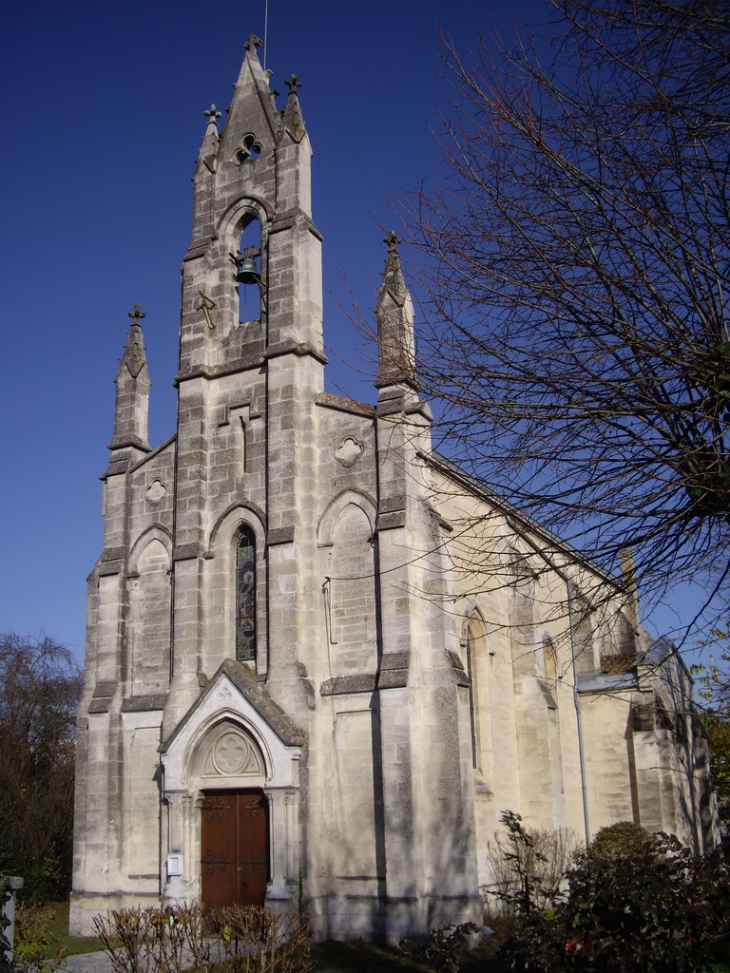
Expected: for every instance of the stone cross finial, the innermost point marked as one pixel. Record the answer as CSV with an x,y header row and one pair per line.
x,y
292,84
212,114
136,315
252,43
392,240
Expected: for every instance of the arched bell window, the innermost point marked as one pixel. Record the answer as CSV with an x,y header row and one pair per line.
x,y
246,596
249,274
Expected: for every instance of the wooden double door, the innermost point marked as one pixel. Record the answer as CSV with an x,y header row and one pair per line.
x,y
235,847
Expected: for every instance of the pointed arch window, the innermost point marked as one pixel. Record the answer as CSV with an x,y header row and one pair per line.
x,y
551,670
475,652
583,637
246,596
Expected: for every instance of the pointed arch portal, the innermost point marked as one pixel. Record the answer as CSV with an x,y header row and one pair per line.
x,y
231,790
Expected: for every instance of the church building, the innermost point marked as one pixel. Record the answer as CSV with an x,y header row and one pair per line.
x,y
319,655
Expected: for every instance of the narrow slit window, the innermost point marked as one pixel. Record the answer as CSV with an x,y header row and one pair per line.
x,y
243,446
246,596
475,654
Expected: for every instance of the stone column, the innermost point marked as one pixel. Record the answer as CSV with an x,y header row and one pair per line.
x,y
278,894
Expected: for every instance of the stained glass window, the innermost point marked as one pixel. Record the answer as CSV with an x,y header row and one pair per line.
x,y
246,596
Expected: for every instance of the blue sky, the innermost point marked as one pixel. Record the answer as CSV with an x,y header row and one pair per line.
x,y
103,113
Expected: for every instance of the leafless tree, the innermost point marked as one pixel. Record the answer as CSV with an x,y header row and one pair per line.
x,y
40,688
574,271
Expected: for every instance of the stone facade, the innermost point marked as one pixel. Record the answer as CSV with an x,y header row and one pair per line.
x,y
298,598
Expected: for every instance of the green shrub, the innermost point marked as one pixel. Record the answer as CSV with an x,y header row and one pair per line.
x,y
656,909
617,841
35,940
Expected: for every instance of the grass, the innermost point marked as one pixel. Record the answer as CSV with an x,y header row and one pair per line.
x,y
74,945
363,957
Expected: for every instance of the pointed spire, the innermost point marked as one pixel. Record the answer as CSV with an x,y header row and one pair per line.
x,y
133,389
134,357
252,113
393,279
394,314
291,118
211,140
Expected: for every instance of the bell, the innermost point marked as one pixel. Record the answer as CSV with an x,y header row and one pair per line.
x,y
247,273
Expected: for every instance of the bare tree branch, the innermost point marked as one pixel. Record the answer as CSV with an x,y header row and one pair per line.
x,y
574,270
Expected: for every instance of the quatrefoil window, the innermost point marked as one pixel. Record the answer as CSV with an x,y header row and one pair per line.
x,y
250,149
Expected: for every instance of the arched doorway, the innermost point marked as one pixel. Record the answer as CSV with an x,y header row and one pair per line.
x,y
234,818
234,844
226,748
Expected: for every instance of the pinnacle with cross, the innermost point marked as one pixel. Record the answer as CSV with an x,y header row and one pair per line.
x,y
133,356
392,240
252,43
292,84
136,315
212,114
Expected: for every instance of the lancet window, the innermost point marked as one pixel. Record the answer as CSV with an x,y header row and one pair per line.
x,y
246,596
475,653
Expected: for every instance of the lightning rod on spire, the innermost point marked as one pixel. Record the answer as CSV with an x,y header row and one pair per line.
x,y
266,28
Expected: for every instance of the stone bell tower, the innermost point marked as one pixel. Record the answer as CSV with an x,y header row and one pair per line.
x,y
168,607
241,381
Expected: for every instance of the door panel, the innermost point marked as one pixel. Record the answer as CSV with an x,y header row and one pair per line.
x,y
253,852
235,848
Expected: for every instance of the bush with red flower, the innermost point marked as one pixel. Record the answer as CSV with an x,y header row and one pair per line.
x,y
654,908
